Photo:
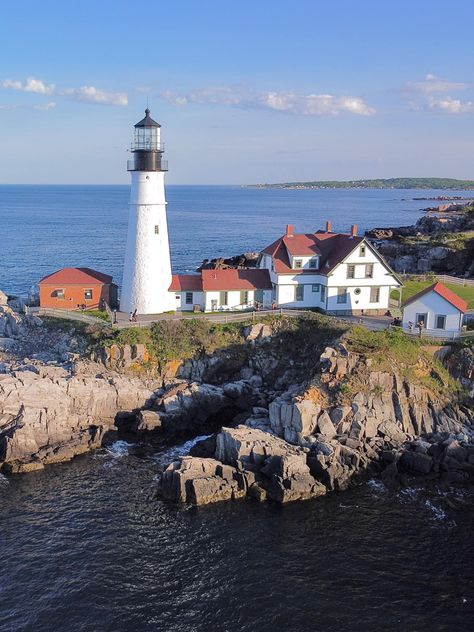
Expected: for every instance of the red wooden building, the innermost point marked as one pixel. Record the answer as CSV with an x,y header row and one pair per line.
x,y
77,288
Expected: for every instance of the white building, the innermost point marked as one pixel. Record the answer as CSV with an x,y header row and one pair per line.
x,y
336,272
438,308
147,269
222,290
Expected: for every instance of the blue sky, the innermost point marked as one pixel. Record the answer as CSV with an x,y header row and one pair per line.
x,y
260,91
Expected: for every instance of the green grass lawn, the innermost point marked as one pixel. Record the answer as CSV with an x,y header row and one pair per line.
x,y
413,287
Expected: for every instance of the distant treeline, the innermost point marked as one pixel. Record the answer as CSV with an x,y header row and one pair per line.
x,y
390,183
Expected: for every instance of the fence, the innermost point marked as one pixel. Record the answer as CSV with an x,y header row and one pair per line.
x,y
444,278
83,317
219,317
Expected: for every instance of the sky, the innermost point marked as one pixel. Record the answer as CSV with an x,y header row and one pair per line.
x,y
246,92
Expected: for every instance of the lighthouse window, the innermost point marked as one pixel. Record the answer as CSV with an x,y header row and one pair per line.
x,y
87,294
157,230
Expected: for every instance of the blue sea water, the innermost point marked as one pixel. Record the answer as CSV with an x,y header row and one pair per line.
x,y
86,546
44,228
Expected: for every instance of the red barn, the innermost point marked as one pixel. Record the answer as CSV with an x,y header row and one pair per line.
x,y
74,288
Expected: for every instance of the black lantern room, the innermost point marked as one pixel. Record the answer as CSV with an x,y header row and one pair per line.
x,y
146,146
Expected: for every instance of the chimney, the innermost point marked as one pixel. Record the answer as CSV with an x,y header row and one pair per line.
x,y
329,226
354,230
290,230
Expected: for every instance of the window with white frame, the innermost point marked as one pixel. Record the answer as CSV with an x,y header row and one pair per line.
x,y
88,295
223,298
323,293
351,271
244,297
297,264
440,321
369,270
362,251
58,294
313,263
315,287
374,294
299,292
157,229
189,298
342,295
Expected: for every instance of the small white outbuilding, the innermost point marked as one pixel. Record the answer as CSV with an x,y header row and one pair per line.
x,y
439,310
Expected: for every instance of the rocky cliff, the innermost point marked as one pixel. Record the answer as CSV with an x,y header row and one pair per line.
x,y
442,243
353,418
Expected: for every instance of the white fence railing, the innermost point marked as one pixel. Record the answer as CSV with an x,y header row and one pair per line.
x,y
444,278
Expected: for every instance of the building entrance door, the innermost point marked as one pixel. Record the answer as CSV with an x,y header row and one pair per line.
x,y
214,305
421,318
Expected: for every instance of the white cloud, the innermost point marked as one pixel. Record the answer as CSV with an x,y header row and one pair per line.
x,y
450,105
90,94
45,106
86,94
30,85
288,102
432,96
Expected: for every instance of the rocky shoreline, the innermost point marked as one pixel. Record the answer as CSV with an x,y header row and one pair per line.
x,y
272,435
442,242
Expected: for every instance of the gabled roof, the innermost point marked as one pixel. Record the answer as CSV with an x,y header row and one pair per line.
x,y
445,293
76,276
331,247
232,279
186,283
303,244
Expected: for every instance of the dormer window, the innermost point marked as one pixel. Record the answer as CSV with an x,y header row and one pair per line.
x,y
298,264
313,263
362,251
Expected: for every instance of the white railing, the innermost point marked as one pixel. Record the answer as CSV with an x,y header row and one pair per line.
x,y
444,278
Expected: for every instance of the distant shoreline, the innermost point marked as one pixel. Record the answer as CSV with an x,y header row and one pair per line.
x,y
390,183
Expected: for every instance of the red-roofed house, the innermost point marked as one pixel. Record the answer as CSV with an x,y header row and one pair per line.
x,y
337,272
439,309
73,288
222,290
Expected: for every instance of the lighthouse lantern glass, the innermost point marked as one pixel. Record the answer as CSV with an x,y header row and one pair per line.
x,y
146,138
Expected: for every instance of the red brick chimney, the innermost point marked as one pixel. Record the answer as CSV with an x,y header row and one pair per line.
x,y
290,230
354,230
329,226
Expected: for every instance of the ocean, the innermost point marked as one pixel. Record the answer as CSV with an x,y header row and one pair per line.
x,y
44,228
86,546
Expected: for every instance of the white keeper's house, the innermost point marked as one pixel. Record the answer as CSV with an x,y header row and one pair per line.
x,y
439,310
338,273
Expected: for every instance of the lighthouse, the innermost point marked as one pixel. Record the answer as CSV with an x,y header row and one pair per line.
x,y
147,269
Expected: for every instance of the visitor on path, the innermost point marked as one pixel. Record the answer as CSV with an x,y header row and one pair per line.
x,y
410,326
130,317
420,326
134,316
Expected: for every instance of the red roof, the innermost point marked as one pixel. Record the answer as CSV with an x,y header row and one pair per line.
x,y
302,244
445,293
186,283
231,279
331,247
77,276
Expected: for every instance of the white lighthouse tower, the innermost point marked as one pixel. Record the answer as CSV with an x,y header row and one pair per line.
x,y
147,269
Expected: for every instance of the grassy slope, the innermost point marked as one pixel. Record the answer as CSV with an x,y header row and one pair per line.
x,y
412,287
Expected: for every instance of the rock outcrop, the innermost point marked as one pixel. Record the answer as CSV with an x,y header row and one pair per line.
x,y
48,414
248,462
311,440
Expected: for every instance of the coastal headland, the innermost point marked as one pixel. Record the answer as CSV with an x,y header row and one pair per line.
x,y
292,408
